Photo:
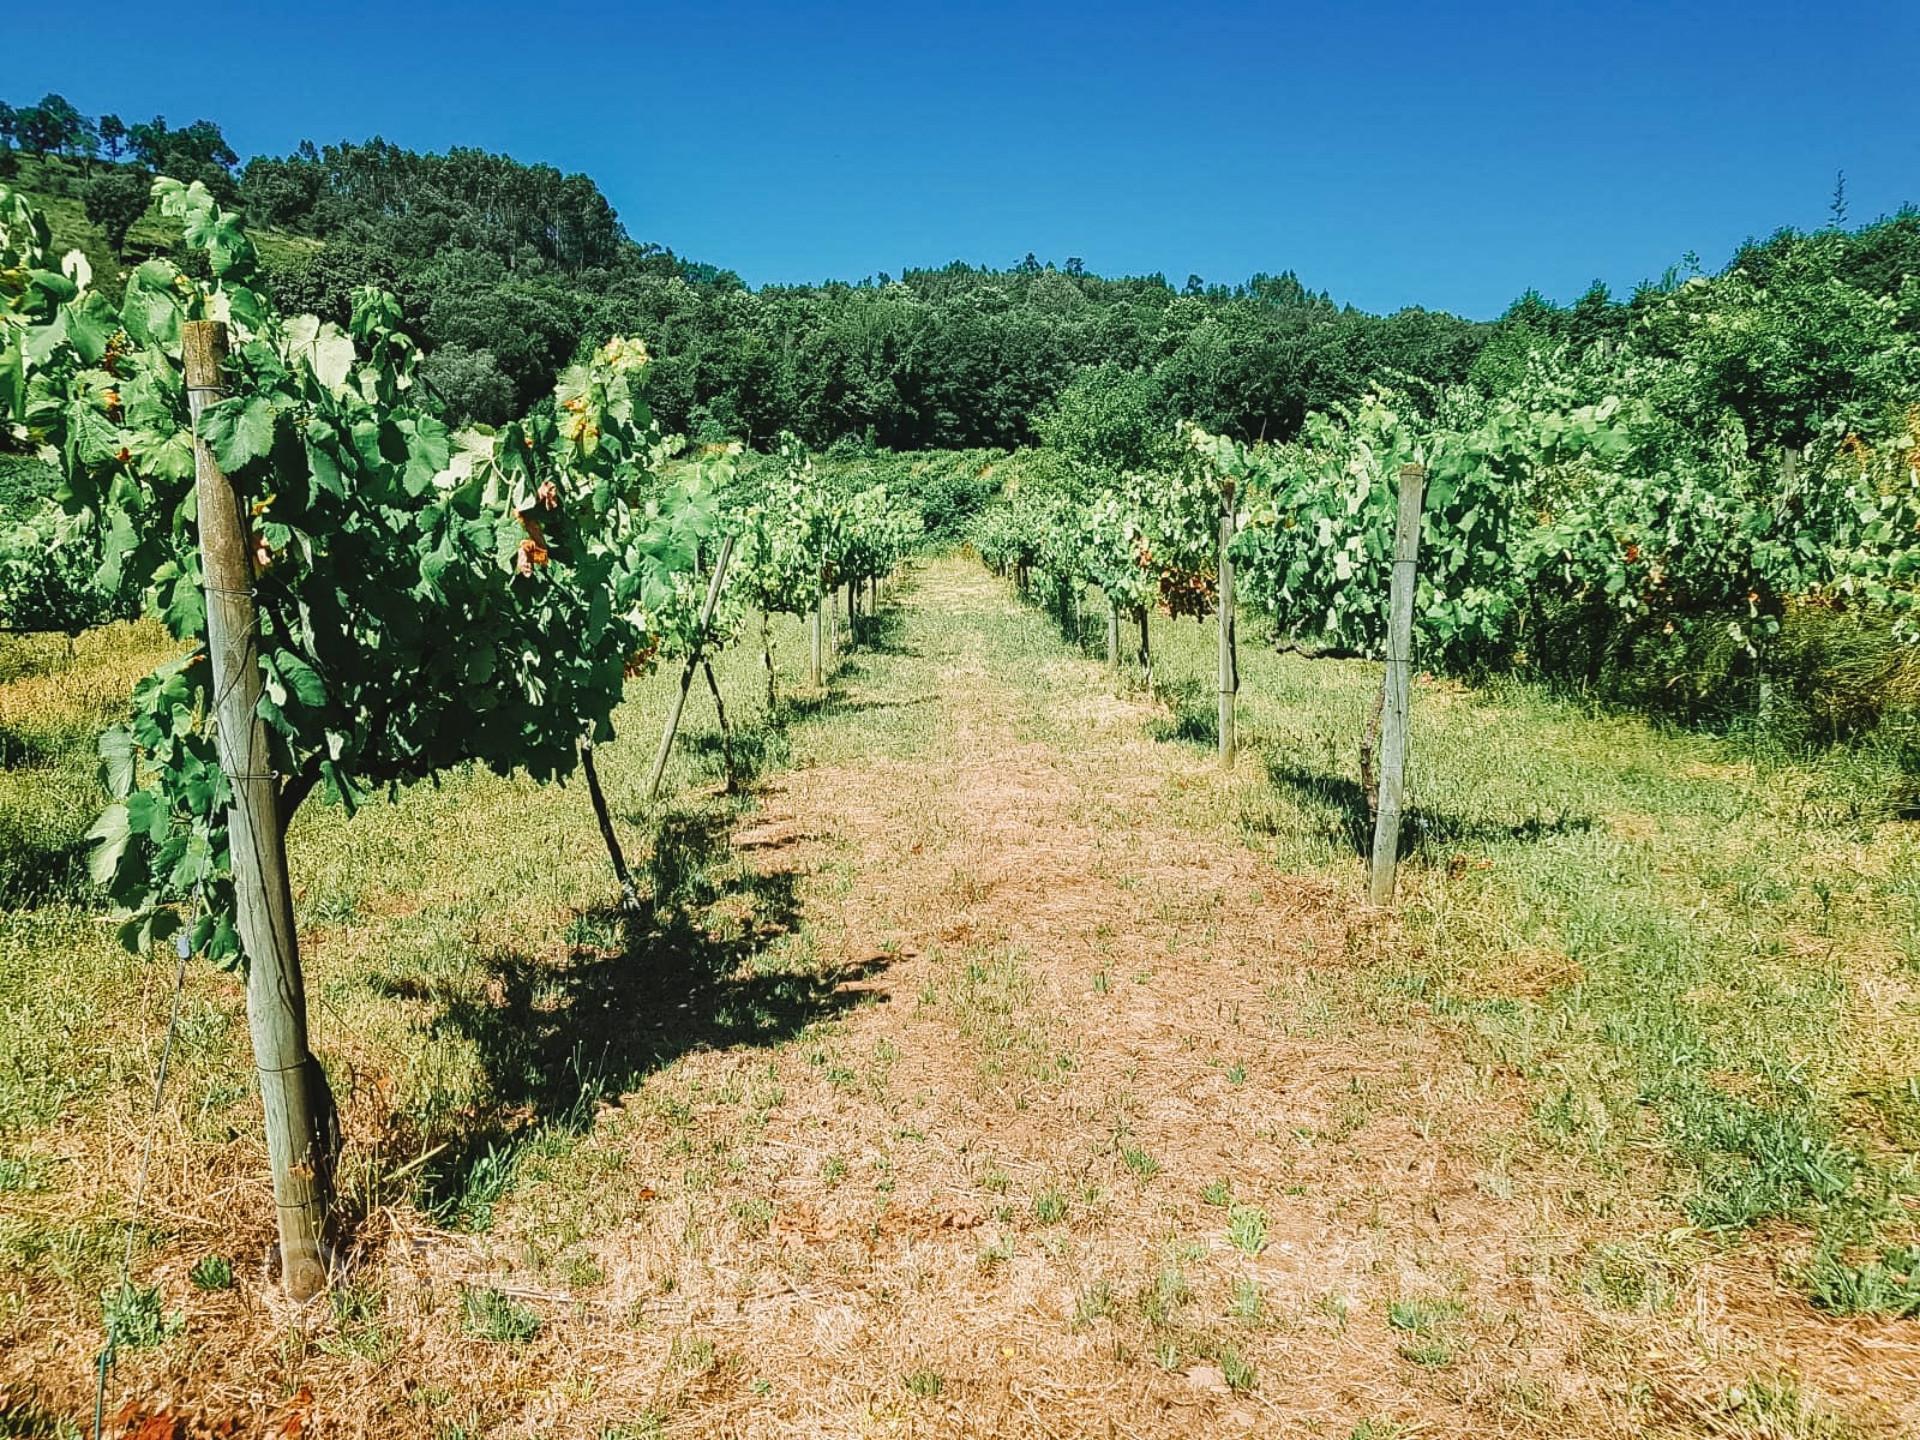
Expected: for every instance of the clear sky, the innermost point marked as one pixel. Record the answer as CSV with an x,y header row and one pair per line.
x,y
1393,152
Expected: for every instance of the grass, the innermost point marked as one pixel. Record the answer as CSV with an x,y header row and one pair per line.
x,y
1654,986
494,1316
1642,921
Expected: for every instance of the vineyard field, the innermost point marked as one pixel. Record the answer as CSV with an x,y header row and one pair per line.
x,y
596,845
1009,1055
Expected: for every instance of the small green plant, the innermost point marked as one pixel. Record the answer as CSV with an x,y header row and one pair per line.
x,y
468,1202
212,1272
694,1355
357,1328
1247,1228
1621,1278
1050,1206
135,1319
1102,982
1139,1161
924,1384
496,1316
996,1252
755,1216
833,1169
15,1174
1218,1193
1421,1316
1887,1285
1094,1302
1161,1300
1240,1374
1425,1321
1247,1305
1236,1074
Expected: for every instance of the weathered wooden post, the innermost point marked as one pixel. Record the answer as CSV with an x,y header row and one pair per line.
x,y
816,637
1113,634
292,1087
698,656
833,628
1229,658
1399,683
1146,649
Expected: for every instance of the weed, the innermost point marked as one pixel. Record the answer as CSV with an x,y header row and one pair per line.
x,y
1247,1305
496,1316
1139,1162
1888,1284
1050,1206
1240,1374
212,1272
1247,1228
136,1320
924,1384
1094,1302
1623,1278
1160,1302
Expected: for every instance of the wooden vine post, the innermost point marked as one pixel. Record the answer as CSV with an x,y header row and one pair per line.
x,y
292,1088
1229,658
816,641
696,658
1113,635
1399,683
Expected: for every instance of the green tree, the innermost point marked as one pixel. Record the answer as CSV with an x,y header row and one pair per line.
x,y
115,199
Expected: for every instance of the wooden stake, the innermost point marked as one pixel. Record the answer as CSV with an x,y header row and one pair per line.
x,y
628,894
1394,714
1113,634
816,641
1146,650
766,658
1229,657
714,585
293,1093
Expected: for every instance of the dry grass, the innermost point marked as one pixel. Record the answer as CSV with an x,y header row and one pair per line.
x,y
1089,1122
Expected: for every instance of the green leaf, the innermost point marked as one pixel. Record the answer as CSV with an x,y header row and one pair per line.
x,y
301,678
110,834
239,431
117,757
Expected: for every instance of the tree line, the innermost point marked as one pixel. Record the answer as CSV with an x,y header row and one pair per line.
x,y
507,272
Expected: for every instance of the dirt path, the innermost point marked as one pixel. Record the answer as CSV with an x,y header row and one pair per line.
x,y
1108,1145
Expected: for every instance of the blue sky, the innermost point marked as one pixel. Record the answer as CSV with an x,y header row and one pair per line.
x,y
1391,152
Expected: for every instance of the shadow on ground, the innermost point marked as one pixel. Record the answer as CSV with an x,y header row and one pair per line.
x,y
700,963
1342,808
